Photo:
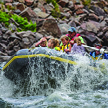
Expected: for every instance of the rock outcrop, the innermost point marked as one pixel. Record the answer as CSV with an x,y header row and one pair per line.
x,y
91,21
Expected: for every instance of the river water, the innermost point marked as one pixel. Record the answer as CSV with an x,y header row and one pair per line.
x,y
84,87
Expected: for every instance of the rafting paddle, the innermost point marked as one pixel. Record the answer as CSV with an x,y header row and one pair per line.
x,y
102,50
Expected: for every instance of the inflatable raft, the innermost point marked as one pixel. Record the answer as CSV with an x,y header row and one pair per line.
x,y
41,58
42,68
19,65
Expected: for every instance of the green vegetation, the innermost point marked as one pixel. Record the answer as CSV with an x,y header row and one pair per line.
x,y
64,18
86,2
4,17
10,7
56,11
23,22
1,2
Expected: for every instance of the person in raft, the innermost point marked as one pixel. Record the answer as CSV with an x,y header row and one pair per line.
x,y
77,47
97,55
72,34
66,47
57,47
53,44
42,42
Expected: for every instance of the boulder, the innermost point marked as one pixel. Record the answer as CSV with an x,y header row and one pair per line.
x,y
28,13
50,27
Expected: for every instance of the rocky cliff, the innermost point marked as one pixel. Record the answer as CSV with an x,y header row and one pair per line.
x,y
89,18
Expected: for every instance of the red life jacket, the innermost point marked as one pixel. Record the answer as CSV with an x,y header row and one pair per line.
x,y
77,35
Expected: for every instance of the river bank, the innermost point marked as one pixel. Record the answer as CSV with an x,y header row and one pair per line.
x,y
90,21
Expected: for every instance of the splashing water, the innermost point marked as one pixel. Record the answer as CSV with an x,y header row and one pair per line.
x,y
58,84
45,75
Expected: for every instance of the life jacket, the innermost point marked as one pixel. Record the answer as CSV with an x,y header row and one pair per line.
x,y
65,47
57,48
77,35
94,57
105,56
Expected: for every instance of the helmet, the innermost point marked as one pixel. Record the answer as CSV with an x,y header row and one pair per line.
x,y
72,29
98,45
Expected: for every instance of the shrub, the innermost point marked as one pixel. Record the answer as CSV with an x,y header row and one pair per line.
x,y
86,2
56,11
24,24
4,17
